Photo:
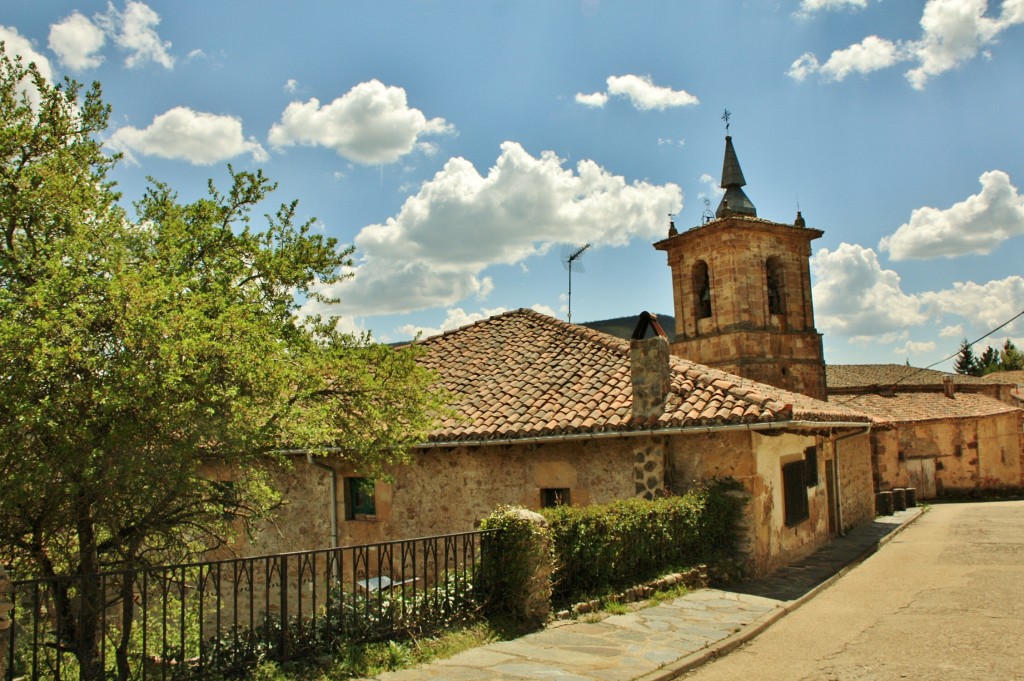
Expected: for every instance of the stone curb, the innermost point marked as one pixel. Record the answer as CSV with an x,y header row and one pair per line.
x,y
674,670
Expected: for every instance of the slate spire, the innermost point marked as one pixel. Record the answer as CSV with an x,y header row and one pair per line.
x,y
735,202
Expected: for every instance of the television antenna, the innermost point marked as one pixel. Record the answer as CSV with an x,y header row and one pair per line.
x,y
571,260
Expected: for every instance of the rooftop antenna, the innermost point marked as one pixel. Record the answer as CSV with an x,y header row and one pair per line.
x,y
571,259
726,115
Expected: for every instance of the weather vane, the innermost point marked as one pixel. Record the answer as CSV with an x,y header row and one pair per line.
x,y
725,117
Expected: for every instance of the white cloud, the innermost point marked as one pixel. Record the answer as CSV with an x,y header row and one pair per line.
x,y
594,99
134,30
457,318
370,124
809,6
976,225
871,54
77,42
952,33
915,348
641,92
645,95
291,86
986,306
435,251
955,331
184,134
17,45
855,298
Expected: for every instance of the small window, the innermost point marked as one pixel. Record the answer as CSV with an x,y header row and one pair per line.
x,y
360,498
795,493
554,496
811,466
702,289
773,274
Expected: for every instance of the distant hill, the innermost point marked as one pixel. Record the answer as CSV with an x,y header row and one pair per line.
x,y
622,327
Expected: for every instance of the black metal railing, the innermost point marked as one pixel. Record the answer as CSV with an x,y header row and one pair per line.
x,y
199,620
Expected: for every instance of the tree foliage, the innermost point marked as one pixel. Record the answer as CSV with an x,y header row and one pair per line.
x,y
966,363
152,368
1009,358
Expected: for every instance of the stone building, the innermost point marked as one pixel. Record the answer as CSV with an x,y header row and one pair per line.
x,y
742,290
547,412
936,432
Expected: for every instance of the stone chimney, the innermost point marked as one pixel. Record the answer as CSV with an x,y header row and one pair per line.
x,y
649,369
948,386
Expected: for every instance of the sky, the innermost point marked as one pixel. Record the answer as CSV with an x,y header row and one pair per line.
x,y
466,147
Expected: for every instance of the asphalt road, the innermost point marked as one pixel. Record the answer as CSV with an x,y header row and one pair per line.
x,y
943,600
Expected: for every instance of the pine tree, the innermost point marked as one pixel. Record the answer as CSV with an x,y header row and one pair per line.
x,y
966,362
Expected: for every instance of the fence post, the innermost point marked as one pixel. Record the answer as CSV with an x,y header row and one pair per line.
x,y
6,605
283,651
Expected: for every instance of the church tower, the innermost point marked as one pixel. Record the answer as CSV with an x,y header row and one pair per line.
x,y
742,289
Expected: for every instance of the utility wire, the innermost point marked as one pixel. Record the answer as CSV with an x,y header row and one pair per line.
x,y
946,359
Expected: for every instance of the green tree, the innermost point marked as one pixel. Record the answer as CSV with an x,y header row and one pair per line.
x,y
139,357
988,362
1010,358
966,363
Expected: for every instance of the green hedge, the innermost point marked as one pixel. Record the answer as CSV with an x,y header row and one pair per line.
x,y
601,548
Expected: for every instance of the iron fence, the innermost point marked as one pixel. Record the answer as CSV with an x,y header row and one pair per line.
x,y
200,620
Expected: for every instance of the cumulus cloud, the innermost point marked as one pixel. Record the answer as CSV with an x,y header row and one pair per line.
x,y
641,92
915,348
457,317
954,331
435,251
595,99
16,44
370,124
184,134
855,298
952,33
77,41
986,306
976,225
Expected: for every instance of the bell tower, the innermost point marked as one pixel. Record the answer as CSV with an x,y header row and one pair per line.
x,y
742,290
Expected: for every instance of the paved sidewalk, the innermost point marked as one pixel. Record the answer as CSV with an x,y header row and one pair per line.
x,y
664,641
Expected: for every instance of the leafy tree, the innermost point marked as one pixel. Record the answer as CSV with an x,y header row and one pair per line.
x,y
966,363
151,370
988,362
1010,358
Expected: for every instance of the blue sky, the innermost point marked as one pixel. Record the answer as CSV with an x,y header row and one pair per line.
x,y
462,146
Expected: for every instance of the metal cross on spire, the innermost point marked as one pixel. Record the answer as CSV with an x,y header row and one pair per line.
x,y
726,115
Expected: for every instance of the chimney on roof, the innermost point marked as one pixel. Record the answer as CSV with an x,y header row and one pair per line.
x,y
649,369
948,386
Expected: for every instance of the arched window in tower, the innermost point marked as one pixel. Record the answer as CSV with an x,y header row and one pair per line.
x,y
702,290
773,273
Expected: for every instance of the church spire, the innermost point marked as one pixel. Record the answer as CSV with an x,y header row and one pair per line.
x,y
735,202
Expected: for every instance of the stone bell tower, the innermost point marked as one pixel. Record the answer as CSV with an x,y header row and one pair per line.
x,y
742,290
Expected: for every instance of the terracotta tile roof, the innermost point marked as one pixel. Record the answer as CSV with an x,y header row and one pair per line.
x,y
923,406
839,376
1003,377
524,374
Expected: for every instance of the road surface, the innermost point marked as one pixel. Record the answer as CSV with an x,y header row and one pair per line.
x,y
943,600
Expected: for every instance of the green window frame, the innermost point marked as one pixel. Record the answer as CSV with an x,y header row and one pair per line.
x,y
360,497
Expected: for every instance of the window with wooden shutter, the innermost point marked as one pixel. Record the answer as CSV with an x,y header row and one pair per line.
x,y
795,493
811,466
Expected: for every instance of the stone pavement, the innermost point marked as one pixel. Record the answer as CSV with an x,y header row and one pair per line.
x,y
664,641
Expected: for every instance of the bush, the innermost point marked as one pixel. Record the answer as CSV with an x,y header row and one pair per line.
x,y
601,548
514,573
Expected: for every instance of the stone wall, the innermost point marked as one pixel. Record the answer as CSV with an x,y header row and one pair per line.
x,y
755,461
965,454
856,480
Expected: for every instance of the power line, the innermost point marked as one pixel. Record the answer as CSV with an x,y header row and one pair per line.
x,y
946,359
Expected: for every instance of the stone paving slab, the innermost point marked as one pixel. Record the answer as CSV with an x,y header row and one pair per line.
x,y
663,641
